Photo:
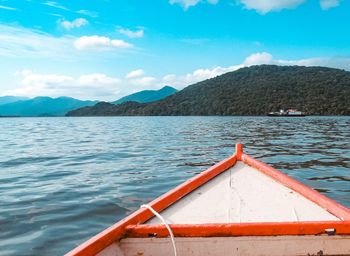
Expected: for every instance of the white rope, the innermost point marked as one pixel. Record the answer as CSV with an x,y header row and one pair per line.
x,y
164,222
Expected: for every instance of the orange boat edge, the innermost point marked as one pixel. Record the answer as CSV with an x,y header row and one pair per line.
x,y
240,206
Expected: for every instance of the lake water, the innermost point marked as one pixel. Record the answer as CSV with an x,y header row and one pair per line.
x,y
63,180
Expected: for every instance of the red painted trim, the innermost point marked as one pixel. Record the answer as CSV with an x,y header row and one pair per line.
x,y
115,232
330,205
239,151
240,229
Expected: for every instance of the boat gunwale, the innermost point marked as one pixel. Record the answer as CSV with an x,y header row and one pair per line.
x,y
117,231
240,229
97,243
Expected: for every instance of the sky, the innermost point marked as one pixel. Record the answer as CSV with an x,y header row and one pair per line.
x,y
106,49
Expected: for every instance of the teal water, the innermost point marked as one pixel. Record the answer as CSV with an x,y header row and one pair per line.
x,y
63,180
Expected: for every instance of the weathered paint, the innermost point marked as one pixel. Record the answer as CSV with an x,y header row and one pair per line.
x,y
241,229
243,194
335,208
234,246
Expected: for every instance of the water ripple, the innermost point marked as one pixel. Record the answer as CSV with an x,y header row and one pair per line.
x,y
63,180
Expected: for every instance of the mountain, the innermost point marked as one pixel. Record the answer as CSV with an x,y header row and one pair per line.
x,y
43,106
254,90
9,99
148,95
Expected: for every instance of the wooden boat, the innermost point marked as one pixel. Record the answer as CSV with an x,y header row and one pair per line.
x,y
239,206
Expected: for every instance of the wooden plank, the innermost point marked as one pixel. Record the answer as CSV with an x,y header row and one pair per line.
x,y
237,246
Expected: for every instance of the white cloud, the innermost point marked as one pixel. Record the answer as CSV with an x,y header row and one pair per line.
x,y
88,86
185,3
188,3
265,6
138,79
261,6
100,43
132,34
22,42
4,7
144,82
92,14
104,87
55,15
180,81
97,79
77,23
258,58
56,5
40,80
203,74
327,4
135,73
197,76
19,42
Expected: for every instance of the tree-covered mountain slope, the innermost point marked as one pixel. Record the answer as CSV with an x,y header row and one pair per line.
x,y
254,90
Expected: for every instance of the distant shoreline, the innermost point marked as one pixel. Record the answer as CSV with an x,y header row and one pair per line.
x,y
270,117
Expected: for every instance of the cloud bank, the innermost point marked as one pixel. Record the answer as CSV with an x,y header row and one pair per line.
x,y
265,6
88,86
104,87
185,4
8,8
18,41
29,43
77,23
100,43
261,6
327,4
181,81
132,33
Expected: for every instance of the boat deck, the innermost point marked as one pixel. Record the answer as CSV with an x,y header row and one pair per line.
x,y
243,194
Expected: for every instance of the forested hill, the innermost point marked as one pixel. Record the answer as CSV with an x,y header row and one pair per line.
x,y
43,106
148,95
254,90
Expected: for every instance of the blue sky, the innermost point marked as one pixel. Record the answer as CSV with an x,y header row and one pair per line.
x,y
109,48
